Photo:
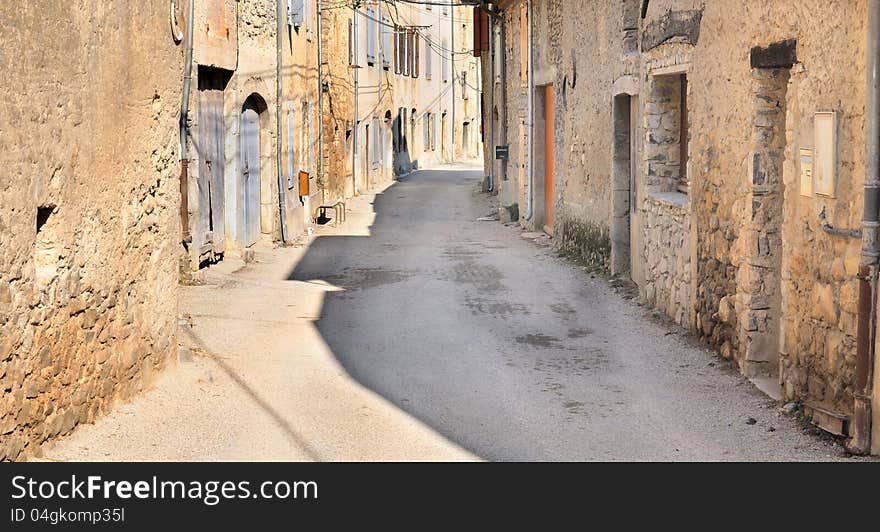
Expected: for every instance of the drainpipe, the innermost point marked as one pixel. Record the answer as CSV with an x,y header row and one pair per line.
x,y
354,125
321,103
860,441
184,126
491,113
279,117
454,74
530,196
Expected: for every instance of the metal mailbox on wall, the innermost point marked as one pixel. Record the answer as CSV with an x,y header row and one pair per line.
x,y
825,153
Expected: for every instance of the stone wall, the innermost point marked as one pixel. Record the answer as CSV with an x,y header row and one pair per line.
x,y
708,253
668,268
88,211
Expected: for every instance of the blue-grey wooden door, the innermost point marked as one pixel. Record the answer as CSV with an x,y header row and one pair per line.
x,y
210,226
249,191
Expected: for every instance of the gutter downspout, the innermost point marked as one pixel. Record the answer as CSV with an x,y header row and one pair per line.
x,y
454,74
279,95
354,125
491,110
860,441
530,196
321,103
186,236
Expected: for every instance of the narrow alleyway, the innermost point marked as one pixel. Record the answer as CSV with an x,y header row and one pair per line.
x,y
419,332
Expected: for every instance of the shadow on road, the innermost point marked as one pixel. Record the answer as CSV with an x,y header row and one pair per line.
x,y
362,322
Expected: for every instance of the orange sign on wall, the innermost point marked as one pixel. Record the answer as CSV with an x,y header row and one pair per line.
x,y
303,183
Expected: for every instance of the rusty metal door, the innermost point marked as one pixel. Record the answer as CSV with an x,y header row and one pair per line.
x,y
549,141
210,234
249,186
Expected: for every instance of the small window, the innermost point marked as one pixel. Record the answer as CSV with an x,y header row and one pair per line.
x,y
666,124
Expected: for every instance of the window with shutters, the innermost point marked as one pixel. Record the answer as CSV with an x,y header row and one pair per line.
x,y
387,44
371,35
433,132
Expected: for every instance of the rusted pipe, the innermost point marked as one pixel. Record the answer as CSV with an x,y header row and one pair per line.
x,y
835,231
186,237
184,201
860,433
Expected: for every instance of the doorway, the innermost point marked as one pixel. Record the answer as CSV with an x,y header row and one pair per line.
x,y
248,193
544,148
210,235
627,242
760,276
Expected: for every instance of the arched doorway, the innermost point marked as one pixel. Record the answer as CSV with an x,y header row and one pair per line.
x,y
248,215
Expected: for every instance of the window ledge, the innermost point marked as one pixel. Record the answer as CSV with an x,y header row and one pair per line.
x,y
673,199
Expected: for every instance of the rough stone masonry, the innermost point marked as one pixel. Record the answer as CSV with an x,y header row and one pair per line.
x,y
88,199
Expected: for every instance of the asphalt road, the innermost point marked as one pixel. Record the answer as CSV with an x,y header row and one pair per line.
x,y
516,354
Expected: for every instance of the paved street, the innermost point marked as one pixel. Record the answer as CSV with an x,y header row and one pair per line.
x,y
414,332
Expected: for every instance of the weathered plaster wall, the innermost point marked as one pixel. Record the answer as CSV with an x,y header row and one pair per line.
x,y
88,304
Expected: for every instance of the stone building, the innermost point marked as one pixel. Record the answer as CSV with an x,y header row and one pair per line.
x,y
714,153
247,147
89,230
411,83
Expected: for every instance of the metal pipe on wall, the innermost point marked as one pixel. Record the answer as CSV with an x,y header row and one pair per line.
x,y
279,98
321,103
186,237
860,440
530,195
354,125
491,113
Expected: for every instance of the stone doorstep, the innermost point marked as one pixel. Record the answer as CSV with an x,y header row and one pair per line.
x,y
769,386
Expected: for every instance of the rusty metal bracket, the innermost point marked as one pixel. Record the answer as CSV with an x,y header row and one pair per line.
x,y
831,230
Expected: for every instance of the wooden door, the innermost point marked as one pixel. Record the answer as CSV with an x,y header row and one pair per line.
x,y
549,186
210,234
251,174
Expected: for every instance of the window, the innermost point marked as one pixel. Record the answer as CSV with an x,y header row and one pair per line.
x,y
666,125
406,37
414,71
433,132
307,17
429,58
350,43
444,63
295,13
464,85
371,35
387,44
426,138
377,148
399,50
